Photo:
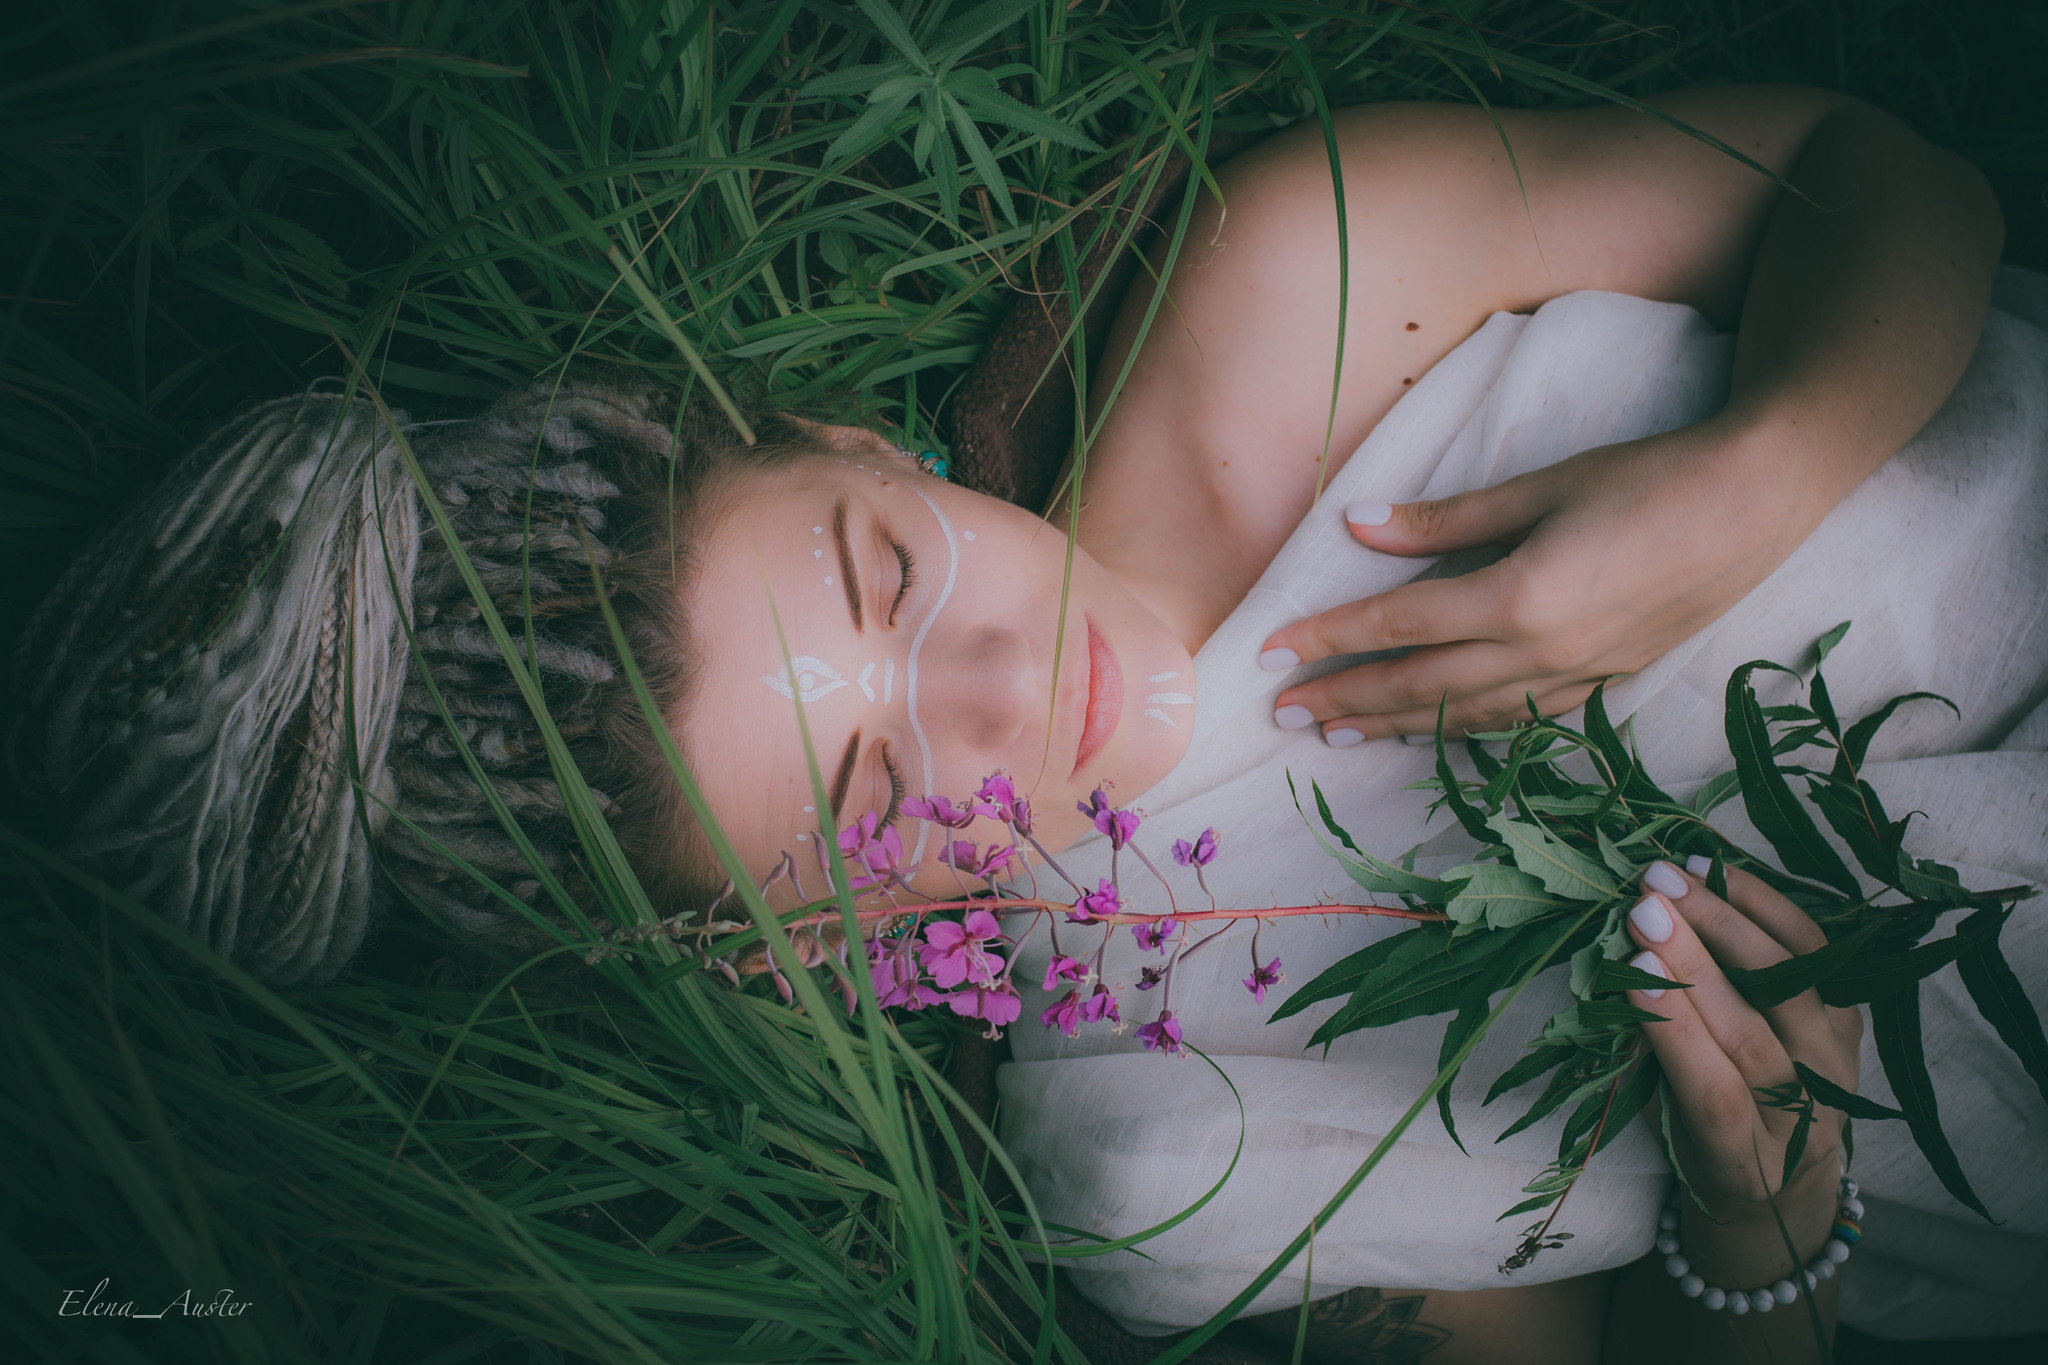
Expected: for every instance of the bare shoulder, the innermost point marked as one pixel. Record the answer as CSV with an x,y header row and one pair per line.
x,y
1233,411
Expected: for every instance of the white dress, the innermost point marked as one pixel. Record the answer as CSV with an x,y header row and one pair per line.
x,y
1941,560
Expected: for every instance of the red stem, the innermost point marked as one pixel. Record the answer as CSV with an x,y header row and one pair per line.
x,y
1185,916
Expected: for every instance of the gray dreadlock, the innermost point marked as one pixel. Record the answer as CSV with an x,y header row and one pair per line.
x,y
207,689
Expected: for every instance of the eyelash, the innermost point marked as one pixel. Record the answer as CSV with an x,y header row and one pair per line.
x,y
908,565
898,789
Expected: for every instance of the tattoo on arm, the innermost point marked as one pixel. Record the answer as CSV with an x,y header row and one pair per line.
x,y
1360,1327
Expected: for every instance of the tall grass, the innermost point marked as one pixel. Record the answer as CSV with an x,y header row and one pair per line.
x,y
826,203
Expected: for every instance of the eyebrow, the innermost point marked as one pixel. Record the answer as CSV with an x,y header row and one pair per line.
x,y
849,574
844,777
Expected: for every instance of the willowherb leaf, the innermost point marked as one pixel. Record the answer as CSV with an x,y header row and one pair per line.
x,y
1347,974
1563,870
1501,897
1826,1092
1772,807
1856,743
1895,1027
1853,811
1871,978
1764,987
1469,1017
1539,1060
1467,814
2003,1002
885,18
1616,975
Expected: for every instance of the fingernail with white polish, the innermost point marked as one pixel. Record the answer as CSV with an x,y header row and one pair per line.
x,y
1699,866
1651,919
1368,514
1293,717
1279,659
1664,877
1654,965
1342,739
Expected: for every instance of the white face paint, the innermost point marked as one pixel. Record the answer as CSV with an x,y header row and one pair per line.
x,y
1156,700
924,748
814,679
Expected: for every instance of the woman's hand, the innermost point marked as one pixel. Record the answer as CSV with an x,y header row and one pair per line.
x,y
1621,552
1720,1053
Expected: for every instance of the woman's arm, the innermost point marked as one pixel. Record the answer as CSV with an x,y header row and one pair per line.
x,y
1861,299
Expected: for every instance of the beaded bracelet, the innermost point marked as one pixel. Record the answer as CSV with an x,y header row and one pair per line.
x,y
1846,1233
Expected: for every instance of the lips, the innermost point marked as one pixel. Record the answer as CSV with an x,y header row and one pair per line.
x,y
1105,698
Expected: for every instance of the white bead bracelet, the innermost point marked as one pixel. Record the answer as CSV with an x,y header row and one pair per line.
x,y
1847,1231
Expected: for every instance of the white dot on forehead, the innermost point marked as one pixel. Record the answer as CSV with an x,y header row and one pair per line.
x,y
809,809
819,530
817,554
967,535
828,580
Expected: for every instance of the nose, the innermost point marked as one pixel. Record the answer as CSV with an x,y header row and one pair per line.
x,y
979,687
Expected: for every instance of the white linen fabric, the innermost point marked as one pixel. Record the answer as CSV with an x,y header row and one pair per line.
x,y
1939,558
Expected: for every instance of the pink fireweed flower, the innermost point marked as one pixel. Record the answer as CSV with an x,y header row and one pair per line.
x,y
1262,977
1064,1014
1149,977
1102,1005
898,981
1162,1034
1119,825
953,954
998,1004
941,811
963,856
1064,969
874,856
1102,901
1200,853
1152,934
998,797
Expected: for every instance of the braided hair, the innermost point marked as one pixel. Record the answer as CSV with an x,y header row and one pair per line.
x,y
281,628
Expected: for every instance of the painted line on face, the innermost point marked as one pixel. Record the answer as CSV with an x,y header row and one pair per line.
x,y
924,748
866,689
1170,699
888,680
1162,677
1158,714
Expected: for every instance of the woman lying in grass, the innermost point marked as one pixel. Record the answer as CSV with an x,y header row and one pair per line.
x,y
209,677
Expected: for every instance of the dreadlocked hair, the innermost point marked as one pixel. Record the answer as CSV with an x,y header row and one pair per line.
x,y
547,492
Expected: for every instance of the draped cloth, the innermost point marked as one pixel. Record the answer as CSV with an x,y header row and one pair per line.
x,y
1939,559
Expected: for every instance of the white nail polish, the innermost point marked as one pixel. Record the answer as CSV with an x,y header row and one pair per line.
x,y
1368,514
1654,965
1664,877
1342,739
1279,659
1651,919
1293,717
1699,866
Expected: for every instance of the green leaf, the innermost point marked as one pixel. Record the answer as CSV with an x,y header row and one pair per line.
x,y
1848,1101
1500,896
1717,790
1885,974
1764,987
1616,975
993,105
1436,981
1772,807
1895,1026
1927,880
1454,791
1613,1013
1826,644
1853,811
1857,742
1618,862
2004,1004
1374,874
980,157
1563,870
891,25
1469,1017
1539,1060
1347,974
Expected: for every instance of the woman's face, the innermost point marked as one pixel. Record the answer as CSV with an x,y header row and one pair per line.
x,y
925,640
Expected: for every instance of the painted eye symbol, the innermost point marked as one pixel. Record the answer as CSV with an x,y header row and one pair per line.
x,y
814,678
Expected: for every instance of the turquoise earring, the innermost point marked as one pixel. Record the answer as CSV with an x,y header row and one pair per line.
x,y
930,461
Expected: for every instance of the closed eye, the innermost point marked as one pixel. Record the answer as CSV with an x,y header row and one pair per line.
x,y
898,789
906,563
